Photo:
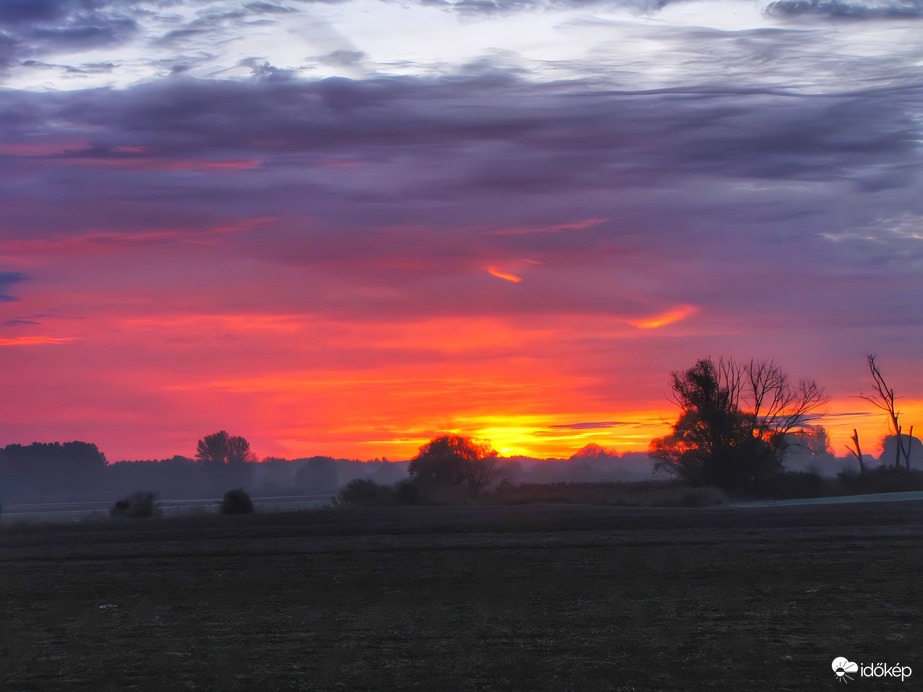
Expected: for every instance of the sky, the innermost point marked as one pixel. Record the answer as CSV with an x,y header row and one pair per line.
x,y
344,227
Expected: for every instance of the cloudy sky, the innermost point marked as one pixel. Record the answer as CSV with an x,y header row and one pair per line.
x,y
343,227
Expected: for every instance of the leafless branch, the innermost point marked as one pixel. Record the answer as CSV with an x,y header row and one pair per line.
x,y
883,397
857,452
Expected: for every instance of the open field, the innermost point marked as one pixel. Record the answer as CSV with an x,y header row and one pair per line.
x,y
528,598
60,512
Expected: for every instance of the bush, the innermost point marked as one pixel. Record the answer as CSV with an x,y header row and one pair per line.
x,y
138,505
796,484
881,479
362,492
237,501
406,492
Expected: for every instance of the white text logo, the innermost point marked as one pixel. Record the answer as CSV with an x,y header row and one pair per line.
x,y
842,667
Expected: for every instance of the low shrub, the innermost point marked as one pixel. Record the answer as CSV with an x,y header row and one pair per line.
x,y
362,492
138,505
406,492
237,501
881,479
796,484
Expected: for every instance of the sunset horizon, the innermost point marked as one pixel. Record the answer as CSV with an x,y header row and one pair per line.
x,y
344,228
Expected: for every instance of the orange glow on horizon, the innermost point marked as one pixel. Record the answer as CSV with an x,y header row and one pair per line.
x,y
151,382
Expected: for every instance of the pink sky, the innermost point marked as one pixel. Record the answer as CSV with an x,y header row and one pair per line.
x,y
282,221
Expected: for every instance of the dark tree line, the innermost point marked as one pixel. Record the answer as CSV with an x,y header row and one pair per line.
x,y
50,468
78,471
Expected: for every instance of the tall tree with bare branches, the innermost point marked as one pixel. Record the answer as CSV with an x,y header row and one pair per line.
x,y
734,422
883,397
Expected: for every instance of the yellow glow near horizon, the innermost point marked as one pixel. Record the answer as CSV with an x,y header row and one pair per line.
x,y
871,423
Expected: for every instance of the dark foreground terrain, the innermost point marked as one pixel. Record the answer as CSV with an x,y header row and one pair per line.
x,y
530,598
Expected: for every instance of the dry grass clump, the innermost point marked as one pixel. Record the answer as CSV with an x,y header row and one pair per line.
x,y
139,505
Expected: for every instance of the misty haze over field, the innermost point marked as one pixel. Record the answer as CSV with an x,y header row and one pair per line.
x,y
71,472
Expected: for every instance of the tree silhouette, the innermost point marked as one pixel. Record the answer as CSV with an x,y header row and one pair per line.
x,y
454,461
238,450
44,468
221,448
734,422
883,397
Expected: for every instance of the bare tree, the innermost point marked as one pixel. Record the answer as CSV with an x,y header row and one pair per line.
x,y
882,397
776,404
734,422
857,452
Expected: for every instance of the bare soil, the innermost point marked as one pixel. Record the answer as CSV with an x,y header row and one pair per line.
x,y
465,598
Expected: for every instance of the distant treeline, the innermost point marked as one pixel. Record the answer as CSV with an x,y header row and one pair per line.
x,y
79,471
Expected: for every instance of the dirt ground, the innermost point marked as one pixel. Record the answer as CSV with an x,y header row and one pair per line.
x,y
501,598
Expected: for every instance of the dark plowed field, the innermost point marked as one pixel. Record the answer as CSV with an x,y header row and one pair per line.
x,y
521,598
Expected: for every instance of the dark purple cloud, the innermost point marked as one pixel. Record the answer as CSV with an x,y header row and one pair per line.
x,y
20,322
848,9
14,12
7,280
708,195
558,134
44,27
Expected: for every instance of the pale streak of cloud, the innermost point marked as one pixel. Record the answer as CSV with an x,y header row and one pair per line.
x,y
666,318
35,340
96,240
196,322
555,228
500,274
140,164
41,149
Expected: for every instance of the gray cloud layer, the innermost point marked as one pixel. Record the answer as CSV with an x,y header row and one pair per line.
x,y
405,181
43,27
849,9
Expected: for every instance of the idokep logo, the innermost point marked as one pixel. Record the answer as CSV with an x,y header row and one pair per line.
x,y
843,666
